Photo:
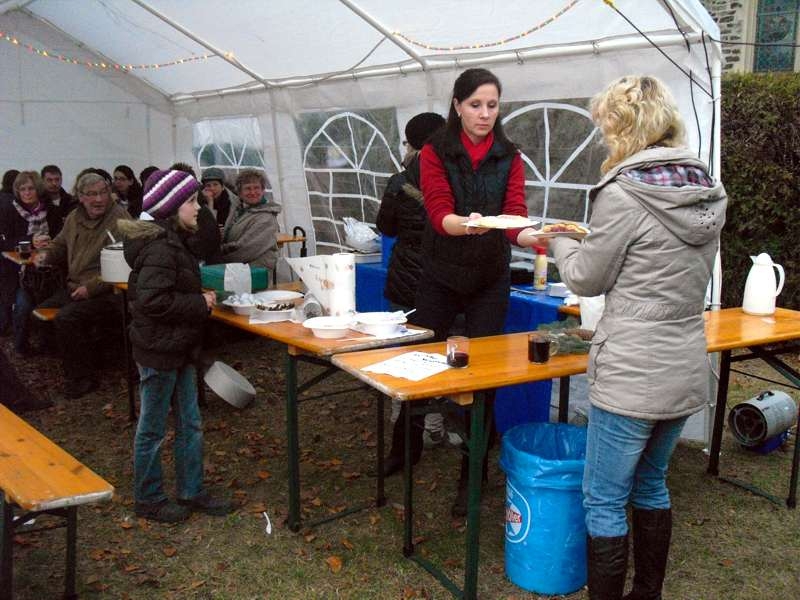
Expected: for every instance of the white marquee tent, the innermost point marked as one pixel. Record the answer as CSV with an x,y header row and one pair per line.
x,y
317,93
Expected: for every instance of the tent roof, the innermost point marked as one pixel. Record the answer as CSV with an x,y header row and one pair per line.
x,y
250,44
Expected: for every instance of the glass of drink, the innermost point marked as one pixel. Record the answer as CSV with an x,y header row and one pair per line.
x,y
541,346
458,351
24,249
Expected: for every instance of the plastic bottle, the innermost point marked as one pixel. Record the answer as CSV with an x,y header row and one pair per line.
x,y
540,270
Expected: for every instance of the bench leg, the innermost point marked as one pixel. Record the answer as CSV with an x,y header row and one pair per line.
x,y
72,537
6,557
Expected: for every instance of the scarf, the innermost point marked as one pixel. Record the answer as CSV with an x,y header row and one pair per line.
x,y
241,210
36,217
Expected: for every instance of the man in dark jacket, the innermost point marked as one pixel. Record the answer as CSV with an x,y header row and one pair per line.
x,y
54,193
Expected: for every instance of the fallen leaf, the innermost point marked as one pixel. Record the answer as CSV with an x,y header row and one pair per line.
x,y
374,519
409,593
726,562
309,538
169,551
196,584
264,475
316,501
126,524
334,563
347,543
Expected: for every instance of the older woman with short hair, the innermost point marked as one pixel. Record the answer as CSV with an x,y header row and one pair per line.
x,y
250,234
656,220
26,218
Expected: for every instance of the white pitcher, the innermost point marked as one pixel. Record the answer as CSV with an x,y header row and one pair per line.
x,y
761,289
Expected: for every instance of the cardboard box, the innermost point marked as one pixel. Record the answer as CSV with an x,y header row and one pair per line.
x,y
213,278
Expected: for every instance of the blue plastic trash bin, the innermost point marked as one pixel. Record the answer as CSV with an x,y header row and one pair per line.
x,y
545,525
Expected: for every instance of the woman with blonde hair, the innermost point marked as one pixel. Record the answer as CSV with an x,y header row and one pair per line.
x,y
656,219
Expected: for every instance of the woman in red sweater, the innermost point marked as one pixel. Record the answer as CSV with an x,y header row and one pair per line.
x,y
468,170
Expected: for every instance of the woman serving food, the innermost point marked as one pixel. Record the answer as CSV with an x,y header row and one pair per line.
x,y
469,170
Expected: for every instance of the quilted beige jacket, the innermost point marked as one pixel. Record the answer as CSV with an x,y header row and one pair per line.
x,y
651,250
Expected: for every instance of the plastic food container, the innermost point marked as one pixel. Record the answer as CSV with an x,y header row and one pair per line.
x,y
113,268
328,327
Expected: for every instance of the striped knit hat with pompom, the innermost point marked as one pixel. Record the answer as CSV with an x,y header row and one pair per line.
x,y
166,191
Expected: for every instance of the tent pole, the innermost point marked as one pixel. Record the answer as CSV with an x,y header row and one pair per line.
x,y
581,49
389,35
226,56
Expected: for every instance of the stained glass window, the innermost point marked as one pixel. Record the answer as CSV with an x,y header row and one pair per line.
x,y
776,23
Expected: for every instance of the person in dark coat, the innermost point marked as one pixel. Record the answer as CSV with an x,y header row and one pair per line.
x,y
168,310
128,190
14,394
26,218
215,195
402,216
54,193
204,243
7,189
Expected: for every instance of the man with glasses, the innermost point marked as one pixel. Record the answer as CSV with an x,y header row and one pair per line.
x,y
86,300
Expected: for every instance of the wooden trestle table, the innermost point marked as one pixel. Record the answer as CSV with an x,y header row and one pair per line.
x,y
303,345
503,360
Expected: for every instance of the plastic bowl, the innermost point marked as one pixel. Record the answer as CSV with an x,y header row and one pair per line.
x,y
380,324
230,385
330,328
240,309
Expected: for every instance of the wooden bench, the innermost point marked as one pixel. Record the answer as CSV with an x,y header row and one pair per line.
x,y
45,314
37,477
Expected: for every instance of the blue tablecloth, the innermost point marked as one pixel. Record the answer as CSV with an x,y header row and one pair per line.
x,y
528,402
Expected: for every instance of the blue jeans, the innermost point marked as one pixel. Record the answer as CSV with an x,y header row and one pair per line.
x,y
626,459
23,307
159,390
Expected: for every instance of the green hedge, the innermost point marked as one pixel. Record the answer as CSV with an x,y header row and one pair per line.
x,y
761,173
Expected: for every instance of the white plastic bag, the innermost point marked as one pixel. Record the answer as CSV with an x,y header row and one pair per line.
x,y
360,236
591,311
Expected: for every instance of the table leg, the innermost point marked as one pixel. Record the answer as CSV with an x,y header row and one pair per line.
x,y
477,442
563,399
72,537
126,346
380,496
408,513
292,442
6,549
719,412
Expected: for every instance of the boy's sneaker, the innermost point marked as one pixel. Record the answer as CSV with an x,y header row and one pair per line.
x,y
165,511
432,439
206,503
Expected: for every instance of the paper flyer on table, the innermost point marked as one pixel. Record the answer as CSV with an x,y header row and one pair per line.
x,y
413,366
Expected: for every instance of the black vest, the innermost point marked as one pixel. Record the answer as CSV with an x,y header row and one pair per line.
x,y
468,263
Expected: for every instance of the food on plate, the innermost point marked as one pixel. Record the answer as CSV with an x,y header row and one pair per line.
x,y
501,222
564,227
275,306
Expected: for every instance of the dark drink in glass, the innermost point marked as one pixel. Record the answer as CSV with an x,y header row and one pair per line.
x,y
24,250
458,359
538,349
457,351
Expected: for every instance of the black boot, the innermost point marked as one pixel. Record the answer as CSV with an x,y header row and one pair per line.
x,y
607,559
394,461
652,530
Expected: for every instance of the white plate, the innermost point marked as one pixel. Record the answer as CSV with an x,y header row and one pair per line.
x,y
376,318
272,296
501,222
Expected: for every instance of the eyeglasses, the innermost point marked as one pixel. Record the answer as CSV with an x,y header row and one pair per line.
x,y
95,193
405,142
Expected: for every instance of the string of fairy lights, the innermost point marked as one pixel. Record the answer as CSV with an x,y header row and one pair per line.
x,y
94,64
482,45
12,39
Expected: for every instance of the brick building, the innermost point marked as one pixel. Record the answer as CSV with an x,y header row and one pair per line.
x,y
757,21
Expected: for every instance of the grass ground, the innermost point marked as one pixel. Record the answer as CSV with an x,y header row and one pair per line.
x,y
727,545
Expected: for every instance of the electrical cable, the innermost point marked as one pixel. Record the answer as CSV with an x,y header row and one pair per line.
x,y
657,47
